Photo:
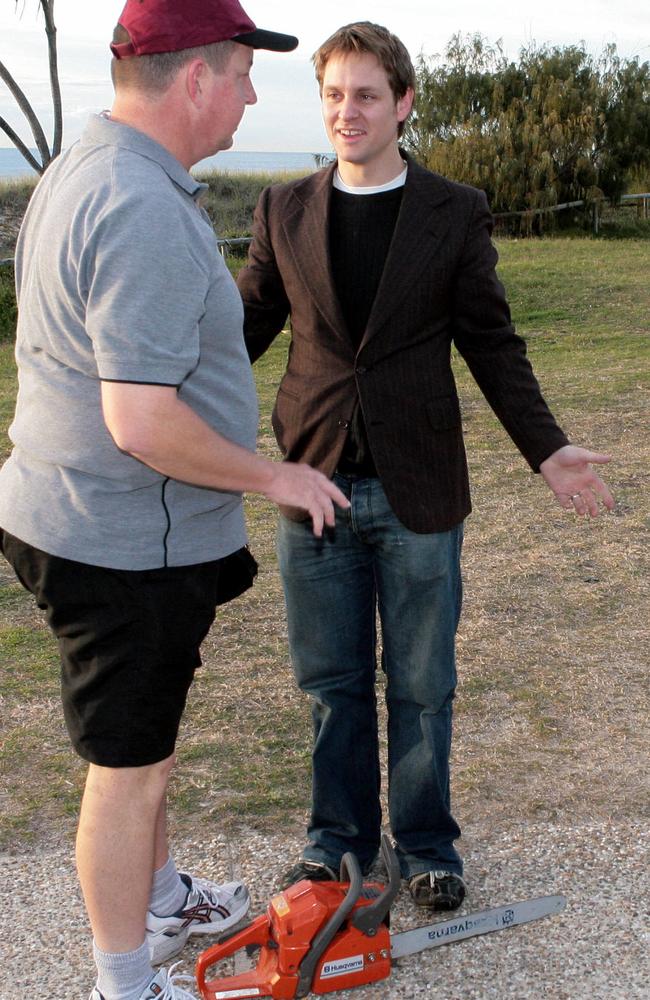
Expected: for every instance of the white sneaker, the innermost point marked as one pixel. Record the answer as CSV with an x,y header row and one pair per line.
x,y
163,986
208,909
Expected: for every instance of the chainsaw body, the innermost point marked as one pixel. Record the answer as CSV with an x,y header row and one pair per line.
x,y
315,937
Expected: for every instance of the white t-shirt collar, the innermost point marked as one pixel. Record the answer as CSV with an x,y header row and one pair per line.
x,y
396,182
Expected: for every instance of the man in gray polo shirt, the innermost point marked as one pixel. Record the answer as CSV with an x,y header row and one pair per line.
x,y
134,437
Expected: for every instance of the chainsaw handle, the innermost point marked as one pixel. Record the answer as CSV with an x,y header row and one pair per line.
x,y
255,933
368,918
349,867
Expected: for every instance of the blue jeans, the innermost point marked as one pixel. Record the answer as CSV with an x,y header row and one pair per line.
x,y
333,589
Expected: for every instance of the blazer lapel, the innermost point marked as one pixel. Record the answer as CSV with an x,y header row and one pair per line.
x,y
413,246
306,227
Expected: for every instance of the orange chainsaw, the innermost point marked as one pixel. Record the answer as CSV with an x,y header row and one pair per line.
x,y
317,937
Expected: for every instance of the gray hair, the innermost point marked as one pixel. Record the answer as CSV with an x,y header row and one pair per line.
x,y
155,73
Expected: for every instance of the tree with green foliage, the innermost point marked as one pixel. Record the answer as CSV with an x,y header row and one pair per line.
x,y
625,139
555,127
46,153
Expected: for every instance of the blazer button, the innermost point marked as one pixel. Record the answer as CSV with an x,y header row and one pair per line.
x,y
344,424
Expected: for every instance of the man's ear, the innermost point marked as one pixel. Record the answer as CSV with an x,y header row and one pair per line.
x,y
195,73
404,104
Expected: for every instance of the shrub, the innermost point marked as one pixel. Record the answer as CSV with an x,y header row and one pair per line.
x,y
8,310
231,199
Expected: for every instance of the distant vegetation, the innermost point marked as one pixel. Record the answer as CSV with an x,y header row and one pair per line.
x,y
8,311
231,199
15,194
556,126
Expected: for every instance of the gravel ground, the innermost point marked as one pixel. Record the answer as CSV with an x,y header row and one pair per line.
x,y
597,949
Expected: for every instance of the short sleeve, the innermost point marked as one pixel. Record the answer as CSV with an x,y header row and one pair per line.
x,y
147,277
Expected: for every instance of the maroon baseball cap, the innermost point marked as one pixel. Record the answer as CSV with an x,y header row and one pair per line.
x,y
171,25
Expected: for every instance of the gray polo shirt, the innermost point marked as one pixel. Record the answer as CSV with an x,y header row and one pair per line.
x,y
119,278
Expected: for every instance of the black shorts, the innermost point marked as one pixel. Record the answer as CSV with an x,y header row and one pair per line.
x,y
129,645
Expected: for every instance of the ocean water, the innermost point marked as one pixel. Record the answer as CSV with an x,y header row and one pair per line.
x,y
230,161
13,165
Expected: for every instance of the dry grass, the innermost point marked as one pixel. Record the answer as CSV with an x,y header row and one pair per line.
x,y
552,706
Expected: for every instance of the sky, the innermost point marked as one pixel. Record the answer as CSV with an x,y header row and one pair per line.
x,y
287,115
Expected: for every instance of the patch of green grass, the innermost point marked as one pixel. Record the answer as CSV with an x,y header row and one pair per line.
x,y
10,596
244,758
42,782
583,308
568,288
8,389
30,663
268,371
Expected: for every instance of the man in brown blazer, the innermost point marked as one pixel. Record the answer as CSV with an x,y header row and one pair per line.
x,y
381,266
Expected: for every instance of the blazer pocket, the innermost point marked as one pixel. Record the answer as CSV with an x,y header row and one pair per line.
x,y
444,413
283,391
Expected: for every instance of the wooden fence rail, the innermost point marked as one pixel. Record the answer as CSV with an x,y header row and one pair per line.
x,y
643,199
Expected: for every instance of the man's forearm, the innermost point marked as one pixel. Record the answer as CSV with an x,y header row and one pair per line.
x,y
156,427
159,429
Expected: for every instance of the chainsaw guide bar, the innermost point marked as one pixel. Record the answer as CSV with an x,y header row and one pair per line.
x,y
497,919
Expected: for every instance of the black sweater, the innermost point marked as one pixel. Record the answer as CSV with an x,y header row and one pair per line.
x,y
361,229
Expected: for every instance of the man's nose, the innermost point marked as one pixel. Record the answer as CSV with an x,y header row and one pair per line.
x,y
348,109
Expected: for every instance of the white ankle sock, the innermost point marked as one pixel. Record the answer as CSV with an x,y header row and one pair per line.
x,y
168,891
123,976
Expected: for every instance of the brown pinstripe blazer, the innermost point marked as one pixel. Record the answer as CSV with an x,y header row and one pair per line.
x,y
438,287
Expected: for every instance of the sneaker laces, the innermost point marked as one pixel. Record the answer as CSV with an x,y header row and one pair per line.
x,y
173,979
205,887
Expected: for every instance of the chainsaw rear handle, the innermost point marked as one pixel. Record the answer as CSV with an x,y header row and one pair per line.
x,y
349,867
368,919
256,933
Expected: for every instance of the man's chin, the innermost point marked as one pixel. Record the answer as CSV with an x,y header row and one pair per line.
x,y
223,145
349,153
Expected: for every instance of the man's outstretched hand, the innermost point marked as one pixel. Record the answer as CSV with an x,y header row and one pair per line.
x,y
569,475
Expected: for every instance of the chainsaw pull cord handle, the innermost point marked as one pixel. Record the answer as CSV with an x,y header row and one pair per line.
x,y
307,968
367,919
